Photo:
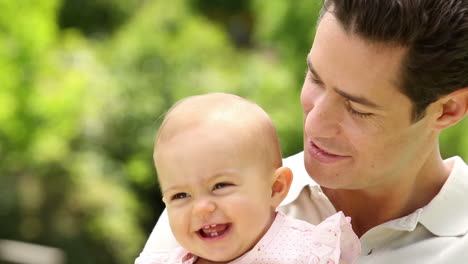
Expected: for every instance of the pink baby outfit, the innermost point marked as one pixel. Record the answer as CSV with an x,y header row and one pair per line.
x,y
288,241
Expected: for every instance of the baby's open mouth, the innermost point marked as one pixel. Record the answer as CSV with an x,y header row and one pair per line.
x,y
213,231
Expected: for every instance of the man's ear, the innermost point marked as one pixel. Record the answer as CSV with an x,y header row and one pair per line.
x,y
280,187
453,108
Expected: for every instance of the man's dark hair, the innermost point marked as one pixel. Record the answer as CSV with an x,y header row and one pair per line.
x,y
435,32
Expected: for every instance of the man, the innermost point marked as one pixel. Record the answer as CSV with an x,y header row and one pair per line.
x,y
385,77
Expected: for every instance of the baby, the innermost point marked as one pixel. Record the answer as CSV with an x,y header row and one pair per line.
x,y
220,170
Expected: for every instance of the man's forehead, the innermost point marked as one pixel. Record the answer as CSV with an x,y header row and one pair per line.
x,y
339,55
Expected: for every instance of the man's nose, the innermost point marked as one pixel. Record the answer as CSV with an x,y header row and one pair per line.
x,y
204,207
323,119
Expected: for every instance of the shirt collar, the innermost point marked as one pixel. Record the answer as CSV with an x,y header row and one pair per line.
x,y
446,214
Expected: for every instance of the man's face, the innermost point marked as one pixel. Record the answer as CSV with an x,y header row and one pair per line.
x,y
357,128
219,198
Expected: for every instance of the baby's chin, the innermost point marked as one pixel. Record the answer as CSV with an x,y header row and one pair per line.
x,y
215,243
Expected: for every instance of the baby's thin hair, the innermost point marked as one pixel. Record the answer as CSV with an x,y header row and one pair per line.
x,y
225,109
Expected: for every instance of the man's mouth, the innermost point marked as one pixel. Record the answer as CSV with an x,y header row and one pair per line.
x,y
322,150
214,230
323,156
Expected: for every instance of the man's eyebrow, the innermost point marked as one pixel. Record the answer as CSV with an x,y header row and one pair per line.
x,y
350,97
357,99
312,70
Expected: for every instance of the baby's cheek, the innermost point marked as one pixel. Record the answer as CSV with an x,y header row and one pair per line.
x,y
178,221
254,210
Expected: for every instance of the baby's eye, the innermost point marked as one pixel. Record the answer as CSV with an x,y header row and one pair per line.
x,y
180,196
221,185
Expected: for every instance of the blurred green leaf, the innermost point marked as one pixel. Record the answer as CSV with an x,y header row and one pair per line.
x,y
84,87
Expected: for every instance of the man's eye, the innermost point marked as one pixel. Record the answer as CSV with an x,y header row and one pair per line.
x,y
221,185
356,113
180,196
313,80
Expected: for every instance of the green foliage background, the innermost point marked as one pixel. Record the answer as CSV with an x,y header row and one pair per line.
x,y
83,84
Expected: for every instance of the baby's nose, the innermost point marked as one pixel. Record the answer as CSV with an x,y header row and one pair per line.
x,y
204,207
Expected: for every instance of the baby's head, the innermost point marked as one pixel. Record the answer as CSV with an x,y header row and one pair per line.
x,y
220,170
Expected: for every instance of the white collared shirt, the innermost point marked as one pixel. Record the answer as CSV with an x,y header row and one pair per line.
x,y
434,234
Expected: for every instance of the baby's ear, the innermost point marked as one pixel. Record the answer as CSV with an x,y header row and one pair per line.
x,y
280,187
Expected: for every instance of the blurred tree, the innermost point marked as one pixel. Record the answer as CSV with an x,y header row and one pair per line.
x,y
54,190
235,16
23,43
96,18
79,113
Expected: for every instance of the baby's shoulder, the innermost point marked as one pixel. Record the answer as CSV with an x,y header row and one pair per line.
x,y
326,241
174,256
302,234
295,225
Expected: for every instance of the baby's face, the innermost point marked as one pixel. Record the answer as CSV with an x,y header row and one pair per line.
x,y
218,198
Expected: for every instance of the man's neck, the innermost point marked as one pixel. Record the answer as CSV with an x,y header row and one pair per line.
x,y
370,208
